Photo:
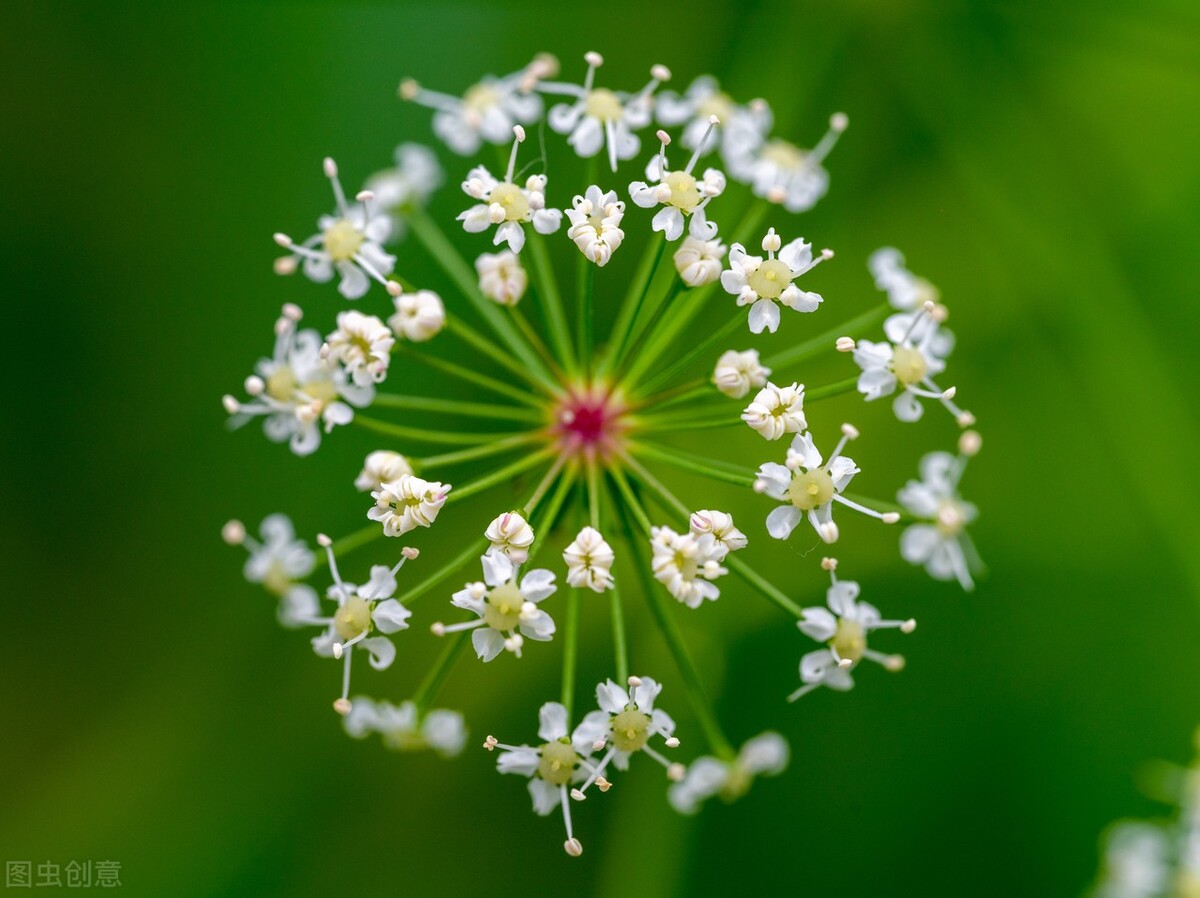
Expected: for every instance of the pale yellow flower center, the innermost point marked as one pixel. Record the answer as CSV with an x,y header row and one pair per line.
x,y
603,104
813,488
281,384
850,641
557,764
480,98
950,518
353,618
342,240
784,154
719,104
908,365
630,729
502,608
685,195
512,199
771,279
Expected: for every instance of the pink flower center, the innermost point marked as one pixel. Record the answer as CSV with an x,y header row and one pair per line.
x,y
588,421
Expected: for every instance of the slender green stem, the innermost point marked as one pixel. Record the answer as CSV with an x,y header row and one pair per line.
x,y
593,482
550,517
689,676
485,346
632,304
473,551
455,407
540,490
587,324
500,475
710,423
474,377
849,385
638,335
620,641
631,500
826,340
463,275
350,542
768,589
682,393
552,304
709,467
422,435
570,652
773,593
535,340
674,324
486,450
437,674
720,334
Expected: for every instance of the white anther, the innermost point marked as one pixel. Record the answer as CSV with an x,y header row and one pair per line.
x,y
254,385
232,406
928,306
940,313
713,120
234,532
410,552
829,564
890,517
776,195
845,344
291,311
602,784
282,239
577,795
839,121
409,89
828,532
672,742
850,431
660,73
285,265
663,137
970,443
594,59
759,486
330,168
365,196
573,847
394,288
949,392
908,626
437,628
342,706
894,663
490,743
844,663
323,352
513,643
827,254
598,745
519,133
966,419
771,243
634,682
337,650
676,772
324,541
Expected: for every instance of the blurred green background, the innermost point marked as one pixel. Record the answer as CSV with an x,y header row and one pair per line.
x,y
1036,161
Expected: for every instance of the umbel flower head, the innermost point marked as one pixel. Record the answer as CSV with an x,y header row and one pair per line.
x,y
577,407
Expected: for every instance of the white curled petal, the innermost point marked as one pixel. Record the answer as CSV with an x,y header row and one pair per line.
x,y
782,521
552,722
381,650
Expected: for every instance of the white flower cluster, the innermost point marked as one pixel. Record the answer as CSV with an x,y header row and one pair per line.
x,y
562,767
586,409
687,563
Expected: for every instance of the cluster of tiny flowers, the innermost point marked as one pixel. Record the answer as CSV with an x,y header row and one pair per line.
x,y
1157,858
577,420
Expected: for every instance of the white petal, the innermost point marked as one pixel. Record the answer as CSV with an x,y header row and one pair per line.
x,y
552,722
381,650
782,521
390,616
764,315
487,642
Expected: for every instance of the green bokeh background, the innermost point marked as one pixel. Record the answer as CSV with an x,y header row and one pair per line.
x,y
1037,161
